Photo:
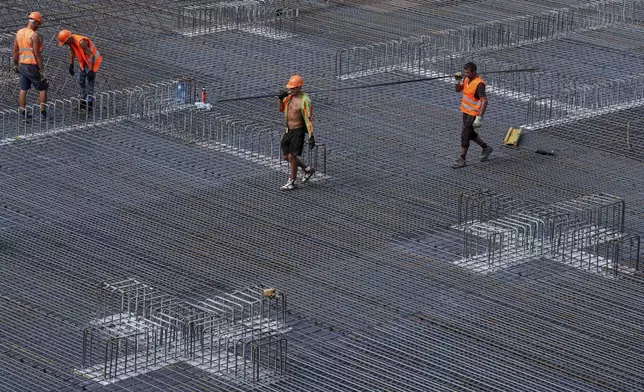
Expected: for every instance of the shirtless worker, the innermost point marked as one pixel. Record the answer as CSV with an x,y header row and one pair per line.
x,y
298,111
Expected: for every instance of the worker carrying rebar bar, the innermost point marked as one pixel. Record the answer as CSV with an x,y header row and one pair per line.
x,y
473,106
298,113
28,62
89,61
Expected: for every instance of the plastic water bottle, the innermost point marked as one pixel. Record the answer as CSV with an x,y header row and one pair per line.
x,y
181,92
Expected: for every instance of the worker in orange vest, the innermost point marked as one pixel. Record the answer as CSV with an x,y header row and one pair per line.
x,y
28,62
89,61
473,106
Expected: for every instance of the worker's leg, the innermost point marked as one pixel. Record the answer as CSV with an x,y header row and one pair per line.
x,y
43,101
22,98
89,91
478,140
301,163
293,162
41,85
82,77
467,132
285,145
25,85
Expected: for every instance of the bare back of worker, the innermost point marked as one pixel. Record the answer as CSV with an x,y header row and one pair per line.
x,y
295,119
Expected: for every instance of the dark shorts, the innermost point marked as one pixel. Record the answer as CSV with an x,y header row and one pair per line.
x,y
30,75
468,133
293,141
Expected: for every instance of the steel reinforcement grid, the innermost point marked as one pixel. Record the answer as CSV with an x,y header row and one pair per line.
x,y
145,245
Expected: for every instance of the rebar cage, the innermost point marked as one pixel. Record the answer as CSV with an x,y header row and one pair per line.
x,y
238,335
586,233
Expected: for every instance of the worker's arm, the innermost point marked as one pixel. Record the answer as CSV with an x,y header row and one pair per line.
x,y
483,106
84,44
16,52
480,91
280,100
307,113
71,55
35,44
458,87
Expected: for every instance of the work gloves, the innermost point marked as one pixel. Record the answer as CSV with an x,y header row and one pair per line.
x,y
91,74
282,94
15,68
478,121
311,142
458,76
71,69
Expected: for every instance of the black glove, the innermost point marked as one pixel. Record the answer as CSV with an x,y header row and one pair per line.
x,y
71,69
311,142
91,74
15,68
282,94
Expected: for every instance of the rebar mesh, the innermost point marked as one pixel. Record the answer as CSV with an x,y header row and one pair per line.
x,y
186,198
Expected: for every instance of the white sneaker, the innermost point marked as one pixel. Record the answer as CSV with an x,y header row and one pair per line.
x,y
289,186
308,175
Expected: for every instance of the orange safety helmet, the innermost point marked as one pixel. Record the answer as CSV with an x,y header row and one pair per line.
x,y
295,81
36,16
63,36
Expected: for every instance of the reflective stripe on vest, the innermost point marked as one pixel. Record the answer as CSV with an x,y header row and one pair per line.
x,y
26,51
469,103
83,59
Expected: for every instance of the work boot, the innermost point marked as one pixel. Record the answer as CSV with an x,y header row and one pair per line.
x,y
24,114
43,114
460,162
83,104
308,175
486,153
90,106
289,186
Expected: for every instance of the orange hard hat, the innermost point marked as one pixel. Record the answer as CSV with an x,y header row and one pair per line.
x,y
295,81
63,36
36,16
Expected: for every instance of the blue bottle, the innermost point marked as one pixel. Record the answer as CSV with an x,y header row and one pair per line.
x,y
181,92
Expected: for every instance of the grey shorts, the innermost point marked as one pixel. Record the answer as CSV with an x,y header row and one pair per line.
x,y
30,75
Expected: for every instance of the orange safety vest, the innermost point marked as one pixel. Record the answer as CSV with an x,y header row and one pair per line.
x,y
83,59
469,103
27,55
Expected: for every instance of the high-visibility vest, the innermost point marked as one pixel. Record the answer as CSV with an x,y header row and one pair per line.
x,y
307,111
27,55
469,103
83,59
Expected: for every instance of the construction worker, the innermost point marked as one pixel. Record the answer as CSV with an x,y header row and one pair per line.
x,y
298,112
89,61
473,106
28,62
